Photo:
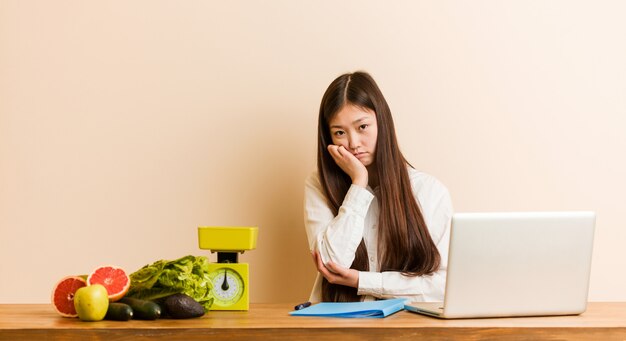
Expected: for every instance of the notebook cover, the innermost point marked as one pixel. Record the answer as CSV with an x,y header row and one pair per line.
x,y
377,309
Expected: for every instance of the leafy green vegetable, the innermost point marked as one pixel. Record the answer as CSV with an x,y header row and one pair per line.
x,y
187,275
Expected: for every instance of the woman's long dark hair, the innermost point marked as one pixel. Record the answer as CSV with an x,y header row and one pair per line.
x,y
404,244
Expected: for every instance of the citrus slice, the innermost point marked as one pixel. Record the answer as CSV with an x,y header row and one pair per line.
x,y
63,295
113,278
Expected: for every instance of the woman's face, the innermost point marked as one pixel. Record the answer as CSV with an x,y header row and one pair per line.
x,y
356,129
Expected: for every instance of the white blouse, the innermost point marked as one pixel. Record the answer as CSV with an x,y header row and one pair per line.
x,y
336,238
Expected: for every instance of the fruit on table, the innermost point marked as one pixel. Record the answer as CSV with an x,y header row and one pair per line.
x,y
63,295
91,302
113,278
143,309
119,312
181,306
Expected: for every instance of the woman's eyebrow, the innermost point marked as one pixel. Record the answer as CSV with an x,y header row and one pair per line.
x,y
358,120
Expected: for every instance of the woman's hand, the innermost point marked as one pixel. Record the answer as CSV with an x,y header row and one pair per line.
x,y
349,164
336,274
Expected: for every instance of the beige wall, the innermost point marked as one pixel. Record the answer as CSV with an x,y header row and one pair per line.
x,y
126,124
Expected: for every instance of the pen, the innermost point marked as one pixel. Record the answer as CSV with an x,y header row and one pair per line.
x,y
302,305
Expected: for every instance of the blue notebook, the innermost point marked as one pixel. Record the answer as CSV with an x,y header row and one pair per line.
x,y
381,308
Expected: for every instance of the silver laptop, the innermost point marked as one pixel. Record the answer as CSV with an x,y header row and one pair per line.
x,y
516,264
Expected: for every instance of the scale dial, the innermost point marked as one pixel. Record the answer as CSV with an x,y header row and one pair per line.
x,y
228,286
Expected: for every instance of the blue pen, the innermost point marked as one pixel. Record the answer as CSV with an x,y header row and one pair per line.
x,y
302,305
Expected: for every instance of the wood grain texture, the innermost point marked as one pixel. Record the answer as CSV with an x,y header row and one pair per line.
x,y
601,321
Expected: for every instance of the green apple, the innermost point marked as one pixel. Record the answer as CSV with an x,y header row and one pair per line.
x,y
91,302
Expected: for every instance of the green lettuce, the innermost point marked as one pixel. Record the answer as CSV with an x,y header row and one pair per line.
x,y
188,275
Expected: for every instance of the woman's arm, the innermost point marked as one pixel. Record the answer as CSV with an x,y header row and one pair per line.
x,y
417,288
335,238
437,210
336,274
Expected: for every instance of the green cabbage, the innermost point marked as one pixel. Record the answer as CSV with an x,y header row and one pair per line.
x,y
188,275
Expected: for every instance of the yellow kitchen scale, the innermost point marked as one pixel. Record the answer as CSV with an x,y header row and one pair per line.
x,y
229,277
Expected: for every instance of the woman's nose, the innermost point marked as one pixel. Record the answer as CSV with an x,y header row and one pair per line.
x,y
353,142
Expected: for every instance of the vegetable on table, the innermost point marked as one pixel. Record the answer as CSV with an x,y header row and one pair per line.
x,y
119,312
181,306
188,275
143,309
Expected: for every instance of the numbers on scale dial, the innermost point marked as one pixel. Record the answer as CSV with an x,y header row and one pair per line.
x,y
227,286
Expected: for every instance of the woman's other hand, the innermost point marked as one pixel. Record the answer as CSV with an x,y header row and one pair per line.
x,y
336,274
349,164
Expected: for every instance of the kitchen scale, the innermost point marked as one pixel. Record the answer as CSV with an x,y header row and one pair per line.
x,y
229,277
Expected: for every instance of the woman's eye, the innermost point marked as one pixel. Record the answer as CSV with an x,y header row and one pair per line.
x,y
339,133
363,126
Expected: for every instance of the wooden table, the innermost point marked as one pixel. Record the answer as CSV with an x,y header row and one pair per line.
x,y
601,321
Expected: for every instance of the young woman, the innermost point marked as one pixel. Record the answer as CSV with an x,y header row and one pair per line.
x,y
377,228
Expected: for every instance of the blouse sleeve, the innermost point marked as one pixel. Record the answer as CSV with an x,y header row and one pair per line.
x,y
416,288
336,238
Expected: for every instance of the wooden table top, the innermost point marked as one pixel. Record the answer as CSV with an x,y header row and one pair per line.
x,y
602,320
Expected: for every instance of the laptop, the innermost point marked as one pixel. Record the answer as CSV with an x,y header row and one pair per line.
x,y
516,264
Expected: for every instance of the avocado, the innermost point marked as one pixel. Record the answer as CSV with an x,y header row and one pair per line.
x,y
181,306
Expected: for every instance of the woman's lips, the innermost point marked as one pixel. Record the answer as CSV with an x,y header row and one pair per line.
x,y
360,155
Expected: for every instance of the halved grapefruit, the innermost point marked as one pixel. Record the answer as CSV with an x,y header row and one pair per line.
x,y
63,295
113,278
